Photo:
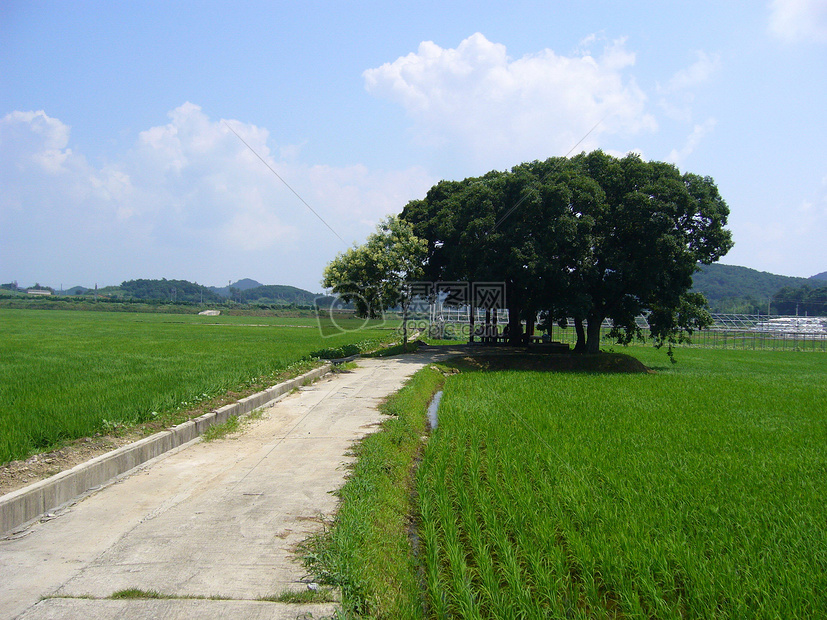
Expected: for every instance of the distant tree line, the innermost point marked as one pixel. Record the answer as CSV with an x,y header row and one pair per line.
x,y
804,300
165,291
175,291
12,286
277,293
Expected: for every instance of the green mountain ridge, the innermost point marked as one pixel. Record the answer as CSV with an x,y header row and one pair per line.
x,y
183,291
734,289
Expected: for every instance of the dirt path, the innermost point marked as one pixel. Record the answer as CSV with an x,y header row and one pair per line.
x,y
219,519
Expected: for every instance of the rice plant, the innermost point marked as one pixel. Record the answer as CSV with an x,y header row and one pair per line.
x,y
696,492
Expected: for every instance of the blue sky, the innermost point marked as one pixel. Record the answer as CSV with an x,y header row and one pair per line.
x,y
117,162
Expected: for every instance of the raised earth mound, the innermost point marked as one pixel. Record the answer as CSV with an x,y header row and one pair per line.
x,y
596,363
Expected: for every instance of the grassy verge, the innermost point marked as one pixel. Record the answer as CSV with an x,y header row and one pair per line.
x,y
367,551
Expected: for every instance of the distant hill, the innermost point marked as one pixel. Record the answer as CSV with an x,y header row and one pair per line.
x,y
244,291
250,291
819,276
168,290
246,284
278,293
165,291
242,285
730,288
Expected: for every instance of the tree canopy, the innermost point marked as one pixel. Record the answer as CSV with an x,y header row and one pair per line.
x,y
593,237
373,275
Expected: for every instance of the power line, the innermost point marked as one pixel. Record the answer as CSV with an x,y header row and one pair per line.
x,y
283,181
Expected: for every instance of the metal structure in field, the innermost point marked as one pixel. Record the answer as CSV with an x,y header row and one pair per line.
x,y
742,331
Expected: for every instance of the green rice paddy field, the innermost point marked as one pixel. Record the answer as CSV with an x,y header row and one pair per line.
x,y
699,491
65,375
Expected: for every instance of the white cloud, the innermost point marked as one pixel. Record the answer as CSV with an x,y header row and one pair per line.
x,y
678,95
798,20
696,74
678,157
503,110
41,175
189,200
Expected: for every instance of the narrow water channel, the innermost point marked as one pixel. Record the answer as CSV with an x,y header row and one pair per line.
x,y
432,409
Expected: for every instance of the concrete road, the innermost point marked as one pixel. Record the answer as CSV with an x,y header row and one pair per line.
x,y
219,519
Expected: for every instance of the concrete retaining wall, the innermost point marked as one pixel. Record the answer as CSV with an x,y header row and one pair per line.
x,y
29,503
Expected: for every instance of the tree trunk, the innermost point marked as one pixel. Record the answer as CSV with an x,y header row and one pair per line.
x,y
529,326
471,325
405,325
580,346
593,334
515,334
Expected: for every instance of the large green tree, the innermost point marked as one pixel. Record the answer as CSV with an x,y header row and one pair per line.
x,y
472,237
593,237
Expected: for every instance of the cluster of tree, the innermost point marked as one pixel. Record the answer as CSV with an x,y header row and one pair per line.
x,y
185,292
593,237
276,293
12,286
177,291
803,300
373,277
182,291
740,305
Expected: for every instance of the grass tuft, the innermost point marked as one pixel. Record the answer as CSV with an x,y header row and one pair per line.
x,y
131,593
220,431
303,597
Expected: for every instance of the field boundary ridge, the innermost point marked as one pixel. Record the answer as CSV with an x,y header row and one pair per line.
x,y
22,507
